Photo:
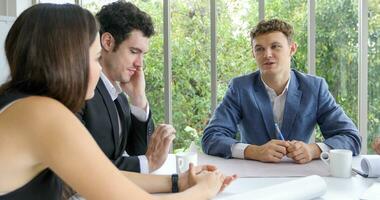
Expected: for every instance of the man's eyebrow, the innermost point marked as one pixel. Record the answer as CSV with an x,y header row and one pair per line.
x,y
276,42
135,48
138,49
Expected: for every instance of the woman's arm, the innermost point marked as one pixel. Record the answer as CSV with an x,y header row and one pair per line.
x,y
163,183
58,140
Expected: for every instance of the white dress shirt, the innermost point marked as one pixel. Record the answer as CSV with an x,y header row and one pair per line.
x,y
278,105
140,114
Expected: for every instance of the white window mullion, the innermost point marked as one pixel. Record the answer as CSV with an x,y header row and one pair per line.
x,y
261,10
167,64
213,55
311,34
363,72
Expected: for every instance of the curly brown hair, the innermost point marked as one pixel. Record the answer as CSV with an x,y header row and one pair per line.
x,y
268,26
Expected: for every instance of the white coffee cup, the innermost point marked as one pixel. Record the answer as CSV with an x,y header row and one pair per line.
x,y
184,159
339,162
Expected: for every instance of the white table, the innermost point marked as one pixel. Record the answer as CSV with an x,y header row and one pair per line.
x,y
337,188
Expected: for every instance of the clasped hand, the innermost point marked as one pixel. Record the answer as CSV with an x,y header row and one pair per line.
x,y
275,150
206,175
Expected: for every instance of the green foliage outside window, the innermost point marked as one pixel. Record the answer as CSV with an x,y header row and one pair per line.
x,y
336,54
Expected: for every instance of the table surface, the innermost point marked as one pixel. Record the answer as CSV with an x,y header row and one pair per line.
x,y
337,188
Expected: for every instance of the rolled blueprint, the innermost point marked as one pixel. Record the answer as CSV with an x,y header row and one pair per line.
x,y
309,187
371,166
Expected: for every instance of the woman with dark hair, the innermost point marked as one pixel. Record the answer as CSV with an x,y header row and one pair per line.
x,y
53,52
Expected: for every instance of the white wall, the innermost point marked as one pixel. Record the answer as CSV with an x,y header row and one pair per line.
x,y
3,7
14,7
9,10
5,24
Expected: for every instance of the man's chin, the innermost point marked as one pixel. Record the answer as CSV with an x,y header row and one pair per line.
x,y
269,71
125,79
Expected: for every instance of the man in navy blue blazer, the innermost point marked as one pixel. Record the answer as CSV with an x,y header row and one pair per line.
x,y
277,96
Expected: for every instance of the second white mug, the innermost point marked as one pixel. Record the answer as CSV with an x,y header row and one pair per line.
x,y
339,162
184,159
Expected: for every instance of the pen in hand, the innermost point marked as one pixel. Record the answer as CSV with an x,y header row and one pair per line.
x,y
279,134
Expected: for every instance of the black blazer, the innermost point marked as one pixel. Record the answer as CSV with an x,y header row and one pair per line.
x,y
100,117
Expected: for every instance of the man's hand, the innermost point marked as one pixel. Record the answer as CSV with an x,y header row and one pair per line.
x,y
135,89
188,178
376,145
158,147
272,151
303,153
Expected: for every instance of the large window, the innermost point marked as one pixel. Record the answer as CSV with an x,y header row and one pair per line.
x,y
336,25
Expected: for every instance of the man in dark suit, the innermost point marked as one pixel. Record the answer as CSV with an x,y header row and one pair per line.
x,y
118,117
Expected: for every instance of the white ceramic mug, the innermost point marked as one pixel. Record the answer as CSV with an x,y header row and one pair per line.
x,y
184,159
339,162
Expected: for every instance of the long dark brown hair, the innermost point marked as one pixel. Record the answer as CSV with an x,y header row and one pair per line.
x,y
47,49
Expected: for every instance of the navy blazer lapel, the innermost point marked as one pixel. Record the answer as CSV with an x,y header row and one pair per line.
x,y
292,106
265,106
112,112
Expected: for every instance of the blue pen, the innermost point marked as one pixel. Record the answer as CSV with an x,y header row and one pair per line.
x,y
279,132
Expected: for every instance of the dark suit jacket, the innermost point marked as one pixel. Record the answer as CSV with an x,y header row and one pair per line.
x,y
246,107
100,117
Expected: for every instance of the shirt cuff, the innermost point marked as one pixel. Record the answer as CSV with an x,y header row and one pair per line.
x,y
144,166
324,147
139,113
237,150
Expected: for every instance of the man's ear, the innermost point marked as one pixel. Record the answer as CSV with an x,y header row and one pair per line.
x,y
107,41
293,48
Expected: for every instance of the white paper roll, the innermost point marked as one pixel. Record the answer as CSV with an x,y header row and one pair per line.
x,y
371,165
309,187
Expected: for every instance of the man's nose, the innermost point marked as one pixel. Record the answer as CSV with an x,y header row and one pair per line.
x,y
268,53
139,61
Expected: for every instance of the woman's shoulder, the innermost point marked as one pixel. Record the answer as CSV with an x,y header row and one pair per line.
x,y
38,104
35,109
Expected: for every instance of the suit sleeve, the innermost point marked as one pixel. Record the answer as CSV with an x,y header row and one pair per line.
x,y
130,163
137,144
139,135
220,133
337,128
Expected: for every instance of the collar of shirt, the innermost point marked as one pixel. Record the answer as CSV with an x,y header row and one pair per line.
x,y
272,94
113,90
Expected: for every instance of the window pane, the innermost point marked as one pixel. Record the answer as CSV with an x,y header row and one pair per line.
x,y
295,13
190,29
373,72
337,51
95,5
57,1
235,19
154,60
